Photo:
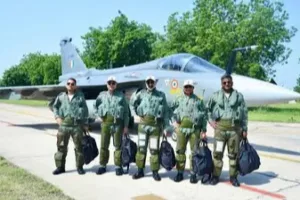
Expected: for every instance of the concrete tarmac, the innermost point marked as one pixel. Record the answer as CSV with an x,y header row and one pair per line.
x,y
28,139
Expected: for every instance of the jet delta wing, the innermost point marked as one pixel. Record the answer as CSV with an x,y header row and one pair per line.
x,y
170,72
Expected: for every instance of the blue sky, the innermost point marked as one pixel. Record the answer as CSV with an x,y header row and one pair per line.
x,y
32,25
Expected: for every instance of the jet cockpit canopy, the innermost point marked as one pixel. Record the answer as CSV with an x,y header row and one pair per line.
x,y
188,63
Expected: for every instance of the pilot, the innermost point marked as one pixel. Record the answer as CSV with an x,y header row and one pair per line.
x,y
150,105
227,114
71,114
190,121
113,110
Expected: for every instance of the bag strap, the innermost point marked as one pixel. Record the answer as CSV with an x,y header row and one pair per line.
x,y
244,141
164,137
86,132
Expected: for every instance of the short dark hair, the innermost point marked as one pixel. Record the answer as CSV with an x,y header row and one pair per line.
x,y
73,79
226,76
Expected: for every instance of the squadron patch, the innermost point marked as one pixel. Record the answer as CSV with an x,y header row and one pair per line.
x,y
174,84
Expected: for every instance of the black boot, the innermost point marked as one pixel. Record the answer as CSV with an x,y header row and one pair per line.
x,y
156,176
205,179
178,177
59,170
193,179
119,171
234,182
101,170
214,180
80,170
139,174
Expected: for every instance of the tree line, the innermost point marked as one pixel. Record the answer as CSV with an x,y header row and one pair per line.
x,y
210,30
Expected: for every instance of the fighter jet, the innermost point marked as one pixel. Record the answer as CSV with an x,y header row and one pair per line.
x,y
170,73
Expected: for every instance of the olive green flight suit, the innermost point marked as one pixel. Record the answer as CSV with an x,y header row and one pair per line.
x,y
190,113
113,109
231,116
152,107
74,115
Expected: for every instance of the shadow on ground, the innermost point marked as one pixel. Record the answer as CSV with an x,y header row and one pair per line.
x,y
253,179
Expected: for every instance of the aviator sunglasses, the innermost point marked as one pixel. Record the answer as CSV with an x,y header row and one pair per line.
x,y
69,83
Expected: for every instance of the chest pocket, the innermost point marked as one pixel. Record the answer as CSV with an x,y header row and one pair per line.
x,y
103,107
197,114
158,107
118,109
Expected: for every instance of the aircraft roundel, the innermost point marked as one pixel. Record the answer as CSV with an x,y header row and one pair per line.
x,y
174,84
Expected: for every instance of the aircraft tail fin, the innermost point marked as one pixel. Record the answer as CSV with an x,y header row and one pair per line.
x,y
70,59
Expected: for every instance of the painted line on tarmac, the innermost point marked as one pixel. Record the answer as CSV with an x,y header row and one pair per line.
x,y
279,157
260,154
256,190
245,187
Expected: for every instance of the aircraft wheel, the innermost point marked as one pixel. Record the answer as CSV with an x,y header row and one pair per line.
x,y
174,136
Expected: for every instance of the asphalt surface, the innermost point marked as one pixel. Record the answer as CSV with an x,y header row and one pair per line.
x,y
28,139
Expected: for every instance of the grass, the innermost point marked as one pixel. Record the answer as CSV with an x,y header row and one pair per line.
x,y
16,183
276,113
269,113
25,102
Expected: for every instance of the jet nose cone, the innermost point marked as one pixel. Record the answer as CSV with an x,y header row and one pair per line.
x,y
258,92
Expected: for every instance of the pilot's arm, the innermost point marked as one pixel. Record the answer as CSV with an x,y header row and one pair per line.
x,y
174,106
202,108
134,102
56,106
166,111
245,114
126,112
85,111
209,108
97,103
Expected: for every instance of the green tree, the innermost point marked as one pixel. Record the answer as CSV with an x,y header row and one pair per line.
x,y
34,69
15,76
123,42
297,87
216,27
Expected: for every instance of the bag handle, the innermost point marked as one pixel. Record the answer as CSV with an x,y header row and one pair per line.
x,y
244,141
164,137
86,132
200,143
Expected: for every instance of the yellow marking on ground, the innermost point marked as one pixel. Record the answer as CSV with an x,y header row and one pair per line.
x,y
148,197
279,157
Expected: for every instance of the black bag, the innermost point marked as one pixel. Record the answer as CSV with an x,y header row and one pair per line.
x,y
128,151
166,154
248,159
90,149
202,160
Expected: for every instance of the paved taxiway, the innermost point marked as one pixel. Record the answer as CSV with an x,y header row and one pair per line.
x,y
28,140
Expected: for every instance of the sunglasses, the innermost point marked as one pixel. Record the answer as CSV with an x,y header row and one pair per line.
x,y
226,82
188,86
111,82
150,82
69,83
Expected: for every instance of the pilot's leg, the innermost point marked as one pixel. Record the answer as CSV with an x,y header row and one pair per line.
x,y
141,154
180,154
104,145
63,136
154,150
77,136
117,141
233,149
194,139
219,146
